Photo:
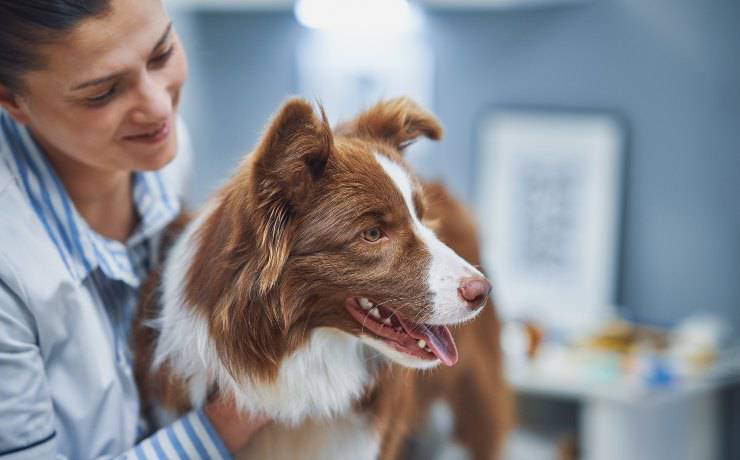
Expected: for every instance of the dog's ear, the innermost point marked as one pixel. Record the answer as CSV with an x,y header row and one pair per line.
x,y
294,150
398,121
289,160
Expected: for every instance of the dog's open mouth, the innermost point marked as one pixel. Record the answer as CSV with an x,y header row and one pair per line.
x,y
419,340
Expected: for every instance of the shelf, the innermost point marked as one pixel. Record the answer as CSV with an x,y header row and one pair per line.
x,y
494,4
285,5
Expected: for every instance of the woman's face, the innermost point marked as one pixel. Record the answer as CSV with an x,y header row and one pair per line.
x,y
109,92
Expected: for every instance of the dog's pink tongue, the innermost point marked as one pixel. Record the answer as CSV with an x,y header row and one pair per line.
x,y
438,338
441,342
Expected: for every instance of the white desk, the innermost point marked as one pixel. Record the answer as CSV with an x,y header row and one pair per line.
x,y
625,421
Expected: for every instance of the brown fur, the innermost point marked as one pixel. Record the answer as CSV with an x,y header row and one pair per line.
x,y
279,255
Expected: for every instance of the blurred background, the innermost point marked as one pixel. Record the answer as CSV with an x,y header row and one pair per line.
x,y
642,95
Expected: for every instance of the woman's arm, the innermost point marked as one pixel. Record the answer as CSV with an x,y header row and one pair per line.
x,y
27,421
216,431
26,411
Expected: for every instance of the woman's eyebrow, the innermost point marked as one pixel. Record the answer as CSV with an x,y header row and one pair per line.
x,y
163,38
98,81
107,78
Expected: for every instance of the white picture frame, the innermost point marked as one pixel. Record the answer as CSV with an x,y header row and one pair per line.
x,y
549,190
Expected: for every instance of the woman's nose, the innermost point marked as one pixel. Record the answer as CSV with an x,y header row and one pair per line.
x,y
154,104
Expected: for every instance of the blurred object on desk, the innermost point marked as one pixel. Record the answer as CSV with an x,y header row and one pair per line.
x,y
619,355
635,385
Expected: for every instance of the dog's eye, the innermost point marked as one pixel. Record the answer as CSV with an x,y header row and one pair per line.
x,y
373,235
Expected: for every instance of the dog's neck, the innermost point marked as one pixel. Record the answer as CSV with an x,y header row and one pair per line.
x,y
323,377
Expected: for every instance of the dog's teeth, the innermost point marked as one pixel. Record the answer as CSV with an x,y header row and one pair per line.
x,y
422,344
375,312
366,304
387,321
399,329
427,349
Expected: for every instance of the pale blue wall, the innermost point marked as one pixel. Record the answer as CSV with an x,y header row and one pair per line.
x,y
671,69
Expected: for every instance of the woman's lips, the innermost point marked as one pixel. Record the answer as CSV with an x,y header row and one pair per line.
x,y
152,137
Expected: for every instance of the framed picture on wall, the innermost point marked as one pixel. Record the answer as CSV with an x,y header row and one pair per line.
x,y
549,192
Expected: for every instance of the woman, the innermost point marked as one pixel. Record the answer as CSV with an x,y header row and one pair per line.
x,y
89,177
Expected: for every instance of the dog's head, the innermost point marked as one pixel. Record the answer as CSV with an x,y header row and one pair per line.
x,y
325,229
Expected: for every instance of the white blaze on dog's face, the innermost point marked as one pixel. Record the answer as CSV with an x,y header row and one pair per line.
x,y
447,275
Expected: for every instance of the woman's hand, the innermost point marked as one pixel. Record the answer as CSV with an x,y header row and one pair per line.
x,y
235,428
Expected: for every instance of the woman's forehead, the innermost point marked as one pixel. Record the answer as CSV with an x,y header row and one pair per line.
x,y
108,44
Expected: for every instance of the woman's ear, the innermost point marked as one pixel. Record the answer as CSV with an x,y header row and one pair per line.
x,y
398,121
12,104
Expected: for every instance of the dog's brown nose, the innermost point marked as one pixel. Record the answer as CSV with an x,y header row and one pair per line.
x,y
475,291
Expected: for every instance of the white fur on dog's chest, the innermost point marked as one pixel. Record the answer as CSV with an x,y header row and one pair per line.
x,y
348,436
321,379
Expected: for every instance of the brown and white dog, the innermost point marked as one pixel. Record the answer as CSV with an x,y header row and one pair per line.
x,y
305,282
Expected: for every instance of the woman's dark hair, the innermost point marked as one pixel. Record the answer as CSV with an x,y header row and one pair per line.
x,y
26,24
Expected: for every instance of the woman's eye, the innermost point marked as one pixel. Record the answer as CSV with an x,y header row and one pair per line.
x,y
373,235
102,98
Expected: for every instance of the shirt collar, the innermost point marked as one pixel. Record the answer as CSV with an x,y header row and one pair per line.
x,y
81,248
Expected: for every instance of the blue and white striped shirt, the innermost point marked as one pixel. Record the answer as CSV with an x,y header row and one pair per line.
x,y
67,297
